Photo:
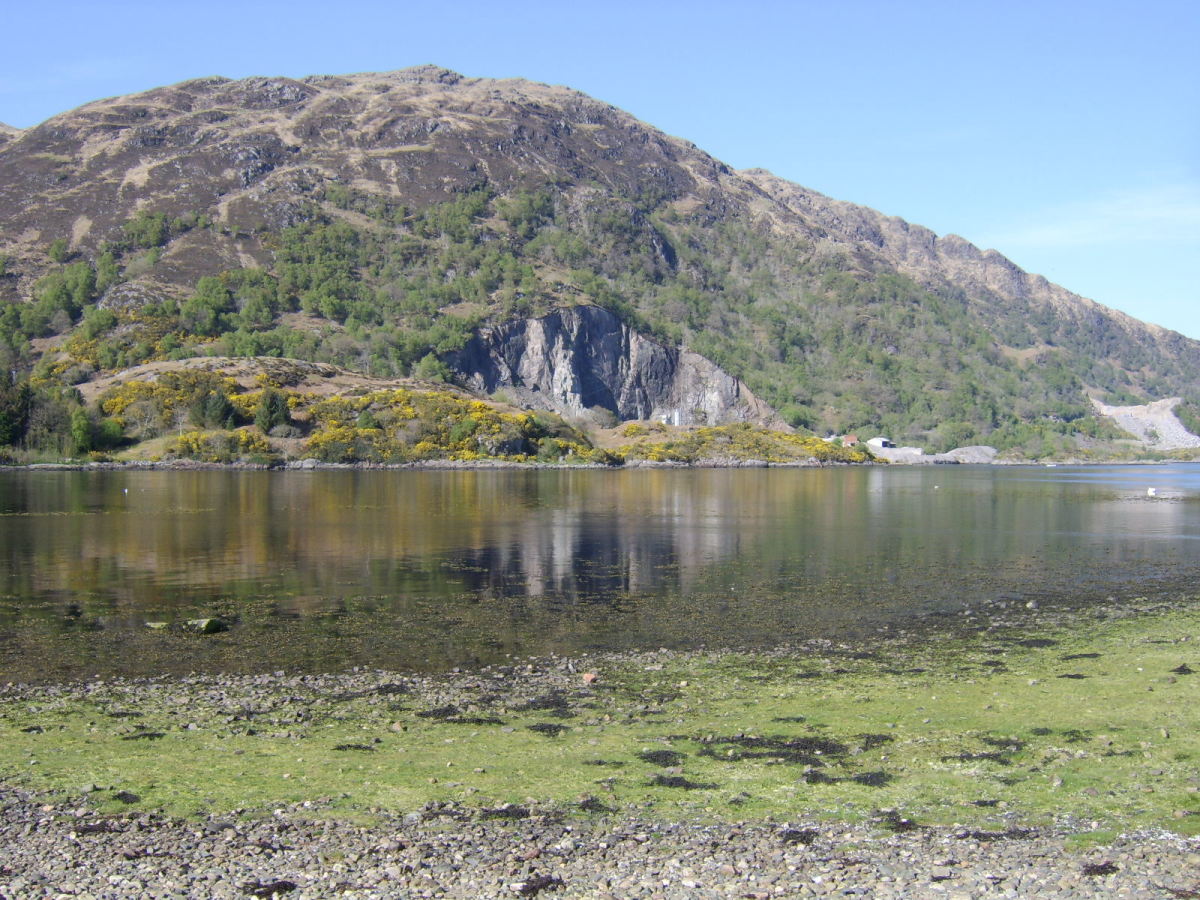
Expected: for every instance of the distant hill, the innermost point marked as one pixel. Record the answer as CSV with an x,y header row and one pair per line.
x,y
379,221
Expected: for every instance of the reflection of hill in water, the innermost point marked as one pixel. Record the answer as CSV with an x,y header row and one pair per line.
x,y
333,534
561,559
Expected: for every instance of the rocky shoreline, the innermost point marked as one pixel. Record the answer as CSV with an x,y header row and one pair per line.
x,y
426,465
98,841
309,465
64,849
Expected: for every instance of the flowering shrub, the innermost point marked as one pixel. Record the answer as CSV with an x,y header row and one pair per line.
x,y
219,446
739,442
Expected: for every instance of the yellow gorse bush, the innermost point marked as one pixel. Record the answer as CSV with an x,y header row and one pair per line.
x,y
219,446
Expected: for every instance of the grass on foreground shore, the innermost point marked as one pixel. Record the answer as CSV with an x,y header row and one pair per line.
x,y
1090,727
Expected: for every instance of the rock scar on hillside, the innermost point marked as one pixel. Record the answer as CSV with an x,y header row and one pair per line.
x,y
1154,424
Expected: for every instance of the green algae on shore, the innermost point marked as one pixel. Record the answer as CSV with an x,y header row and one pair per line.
x,y
1090,726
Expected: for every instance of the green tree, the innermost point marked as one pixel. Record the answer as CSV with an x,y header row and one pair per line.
x,y
96,321
202,312
146,230
107,272
213,410
272,410
59,250
81,431
430,368
15,398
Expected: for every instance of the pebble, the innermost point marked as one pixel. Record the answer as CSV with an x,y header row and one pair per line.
x,y
447,851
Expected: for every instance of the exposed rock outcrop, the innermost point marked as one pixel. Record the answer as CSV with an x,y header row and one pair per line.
x,y
579,359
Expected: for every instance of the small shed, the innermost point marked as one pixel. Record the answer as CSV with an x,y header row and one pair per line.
x,y
880,443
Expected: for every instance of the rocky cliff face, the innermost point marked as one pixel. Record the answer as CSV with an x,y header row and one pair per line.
x,y
579,360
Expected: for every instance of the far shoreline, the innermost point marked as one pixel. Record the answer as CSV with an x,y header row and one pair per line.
x,y
310,465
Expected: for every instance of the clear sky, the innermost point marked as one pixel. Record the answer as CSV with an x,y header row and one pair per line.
x,y
1064,134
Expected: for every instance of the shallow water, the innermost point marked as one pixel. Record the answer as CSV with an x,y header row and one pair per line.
x,y
427,569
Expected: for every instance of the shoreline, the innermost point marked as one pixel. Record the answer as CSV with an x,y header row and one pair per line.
x,y
441,851
810,770
308,465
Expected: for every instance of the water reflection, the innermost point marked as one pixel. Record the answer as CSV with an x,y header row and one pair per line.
x,y
462,565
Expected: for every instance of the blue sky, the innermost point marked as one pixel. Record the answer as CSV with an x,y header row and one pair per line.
x,y
1064,134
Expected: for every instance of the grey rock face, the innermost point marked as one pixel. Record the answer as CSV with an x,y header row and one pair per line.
x,y
578,359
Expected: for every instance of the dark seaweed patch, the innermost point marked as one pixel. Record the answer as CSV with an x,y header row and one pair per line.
x,y
366,748
1183,669
439,712
555,700
1071,656
591,804
1011,834
816,776
678,781
985,804
1073,675
896,823
802,750
1094,870
383,690
1037,643
144,736
508,811
977,756
550,729
872,779
1010,744
616,764
662,757
871,741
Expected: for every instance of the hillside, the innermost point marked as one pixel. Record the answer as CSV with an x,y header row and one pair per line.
x,y
383,222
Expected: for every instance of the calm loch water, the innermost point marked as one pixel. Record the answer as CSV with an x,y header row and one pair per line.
x,y
329,569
